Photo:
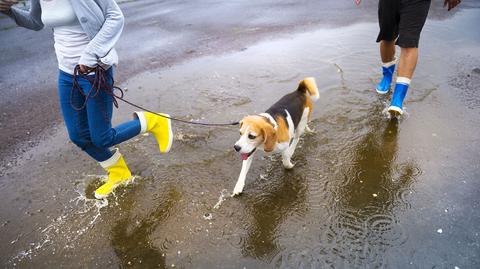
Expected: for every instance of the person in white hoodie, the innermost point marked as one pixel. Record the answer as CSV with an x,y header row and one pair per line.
x,y
85,33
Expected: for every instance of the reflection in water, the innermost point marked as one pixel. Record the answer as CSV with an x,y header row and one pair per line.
x,y
285,196
370,180
364,224
131,237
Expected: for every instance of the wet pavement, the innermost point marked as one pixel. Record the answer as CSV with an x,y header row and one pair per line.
x,y
169,32
366,191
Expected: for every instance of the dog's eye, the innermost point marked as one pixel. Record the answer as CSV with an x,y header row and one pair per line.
x,y
251,136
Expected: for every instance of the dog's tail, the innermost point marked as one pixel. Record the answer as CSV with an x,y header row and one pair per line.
x,y
309,85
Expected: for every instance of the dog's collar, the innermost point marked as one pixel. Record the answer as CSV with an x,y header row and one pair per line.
x,y
270,119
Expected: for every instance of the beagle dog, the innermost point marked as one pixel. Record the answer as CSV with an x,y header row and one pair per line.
x,y
278,130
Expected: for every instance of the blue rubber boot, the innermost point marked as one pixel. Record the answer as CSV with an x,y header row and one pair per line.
x,y
383,87
396,106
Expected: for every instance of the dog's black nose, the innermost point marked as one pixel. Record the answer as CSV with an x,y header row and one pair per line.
x,y
237,148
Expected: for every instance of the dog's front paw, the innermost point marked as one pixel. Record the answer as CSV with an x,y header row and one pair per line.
x,y
288,164
237,190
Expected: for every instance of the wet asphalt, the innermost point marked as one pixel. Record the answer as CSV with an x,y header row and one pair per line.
x,y
169,32
367,191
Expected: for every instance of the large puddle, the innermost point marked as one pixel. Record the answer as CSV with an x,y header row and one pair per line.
x,y
366,191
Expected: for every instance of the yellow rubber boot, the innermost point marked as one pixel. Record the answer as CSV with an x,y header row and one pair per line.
x,y
118,174
160,127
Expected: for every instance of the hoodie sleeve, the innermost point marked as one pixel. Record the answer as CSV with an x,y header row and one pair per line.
x,y
108,35
30,19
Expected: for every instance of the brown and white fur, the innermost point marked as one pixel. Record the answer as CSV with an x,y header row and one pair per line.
x,y
278,130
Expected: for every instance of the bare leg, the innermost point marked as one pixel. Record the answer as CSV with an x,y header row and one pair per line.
x,y
408,62
387,51
406,67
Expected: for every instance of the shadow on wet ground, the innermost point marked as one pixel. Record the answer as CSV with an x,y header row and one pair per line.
x,y
366,191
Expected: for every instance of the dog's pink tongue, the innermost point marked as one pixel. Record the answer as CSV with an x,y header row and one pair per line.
x,y
244,156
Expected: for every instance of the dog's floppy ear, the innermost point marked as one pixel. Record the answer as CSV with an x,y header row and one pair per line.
x,y
269,138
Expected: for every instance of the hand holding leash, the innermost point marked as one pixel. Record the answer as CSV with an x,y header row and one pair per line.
x,y
85,69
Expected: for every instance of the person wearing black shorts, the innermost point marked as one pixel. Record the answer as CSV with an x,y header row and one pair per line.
x,y
401,22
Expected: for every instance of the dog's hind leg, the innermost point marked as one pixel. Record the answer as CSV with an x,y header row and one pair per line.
x,y
309,130
288,153
301,128
243,175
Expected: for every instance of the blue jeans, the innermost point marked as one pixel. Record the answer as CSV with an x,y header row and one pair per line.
x,y
91,128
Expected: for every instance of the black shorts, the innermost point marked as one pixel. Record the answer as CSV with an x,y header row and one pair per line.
x,y
402,19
